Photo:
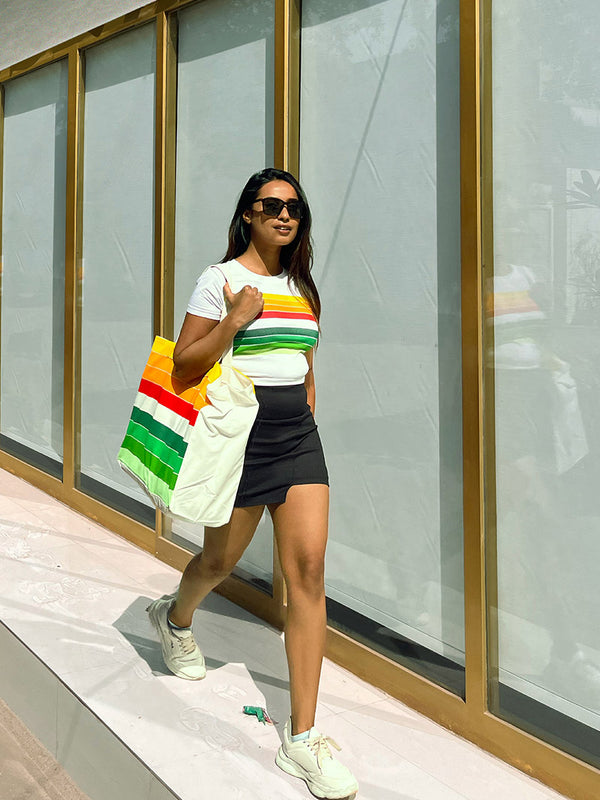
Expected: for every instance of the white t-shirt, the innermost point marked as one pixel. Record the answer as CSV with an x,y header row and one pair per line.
x,y
271,349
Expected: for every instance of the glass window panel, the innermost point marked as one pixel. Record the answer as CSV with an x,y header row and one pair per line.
x,y
544,303
380,164
224,133
118,215
33,245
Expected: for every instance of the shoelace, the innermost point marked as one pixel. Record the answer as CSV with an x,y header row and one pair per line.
x,y
187,643
320,747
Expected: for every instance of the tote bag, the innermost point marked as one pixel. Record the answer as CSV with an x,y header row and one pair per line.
x,y
185,444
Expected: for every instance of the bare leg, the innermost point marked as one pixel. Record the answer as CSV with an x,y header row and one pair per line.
x,y
301,530
223,548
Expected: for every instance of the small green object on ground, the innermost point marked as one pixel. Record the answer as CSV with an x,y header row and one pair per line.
x,y
260,713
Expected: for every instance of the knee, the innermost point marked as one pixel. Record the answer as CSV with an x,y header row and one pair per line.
x,y
307,579
212,568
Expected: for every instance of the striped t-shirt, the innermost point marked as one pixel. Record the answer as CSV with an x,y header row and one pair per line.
x,y
271,349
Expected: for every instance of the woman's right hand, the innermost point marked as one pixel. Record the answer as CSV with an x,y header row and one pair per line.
x,y
245,305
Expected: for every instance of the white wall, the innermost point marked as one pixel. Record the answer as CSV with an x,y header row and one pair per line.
x,y
28,27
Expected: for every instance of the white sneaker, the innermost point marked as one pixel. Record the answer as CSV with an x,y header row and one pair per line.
x,y
311,760
180,652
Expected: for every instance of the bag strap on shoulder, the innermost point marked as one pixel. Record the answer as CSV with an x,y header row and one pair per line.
x,y
228,354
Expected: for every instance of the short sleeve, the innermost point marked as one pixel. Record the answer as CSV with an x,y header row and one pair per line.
x,y
207,298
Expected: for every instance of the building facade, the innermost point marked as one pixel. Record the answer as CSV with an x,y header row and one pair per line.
x,y
449,152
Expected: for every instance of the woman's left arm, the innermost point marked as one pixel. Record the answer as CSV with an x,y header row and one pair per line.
x,y
309,382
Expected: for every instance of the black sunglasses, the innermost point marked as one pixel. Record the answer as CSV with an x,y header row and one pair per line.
x,y
273,206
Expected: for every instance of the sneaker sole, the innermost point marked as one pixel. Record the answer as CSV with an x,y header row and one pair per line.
x,y
288,765
152,614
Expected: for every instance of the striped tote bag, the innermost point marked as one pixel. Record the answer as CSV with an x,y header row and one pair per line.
x,y
185,444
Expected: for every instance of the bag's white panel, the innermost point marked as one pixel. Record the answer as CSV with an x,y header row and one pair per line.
x,y
33,247
118,247
212,466
380,164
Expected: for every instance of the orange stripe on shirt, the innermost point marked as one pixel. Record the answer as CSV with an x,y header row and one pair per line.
x,y
285,301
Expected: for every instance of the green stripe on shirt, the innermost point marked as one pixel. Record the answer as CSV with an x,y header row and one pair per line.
x,y
249,349
257,333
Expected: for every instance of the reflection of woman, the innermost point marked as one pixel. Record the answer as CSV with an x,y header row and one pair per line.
x,y
523,428
539,437
272,320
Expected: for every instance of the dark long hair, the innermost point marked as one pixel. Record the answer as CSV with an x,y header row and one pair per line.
x,y
297,256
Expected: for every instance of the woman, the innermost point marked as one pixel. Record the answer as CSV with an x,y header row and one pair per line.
x,y
272,319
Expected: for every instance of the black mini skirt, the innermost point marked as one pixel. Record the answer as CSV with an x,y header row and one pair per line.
x,y
284,448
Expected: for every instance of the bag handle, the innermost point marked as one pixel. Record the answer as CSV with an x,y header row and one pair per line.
x,y
226,358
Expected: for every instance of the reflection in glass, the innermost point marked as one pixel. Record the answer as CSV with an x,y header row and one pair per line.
x,y
117,267
33,247
544,322
224,134
381,79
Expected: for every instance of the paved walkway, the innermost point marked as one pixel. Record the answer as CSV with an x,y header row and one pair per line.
x,y
27,770
75,594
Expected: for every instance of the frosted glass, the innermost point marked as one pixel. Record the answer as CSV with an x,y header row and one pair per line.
x,y
224,126
118,192
380,164
224,133
33,245
544,303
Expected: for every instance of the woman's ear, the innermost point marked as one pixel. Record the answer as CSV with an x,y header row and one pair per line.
x,y
246,216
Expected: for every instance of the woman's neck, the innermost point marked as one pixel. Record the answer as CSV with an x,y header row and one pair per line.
x,y
263,261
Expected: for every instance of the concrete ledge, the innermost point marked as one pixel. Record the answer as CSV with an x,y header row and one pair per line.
x,y
96,759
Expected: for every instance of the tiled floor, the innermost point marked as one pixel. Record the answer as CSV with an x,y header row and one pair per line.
x,y
75,594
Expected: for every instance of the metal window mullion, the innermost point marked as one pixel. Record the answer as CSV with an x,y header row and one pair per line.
x,y
472,360
287,85
73,268
286,156
1,213
487,189
164,189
